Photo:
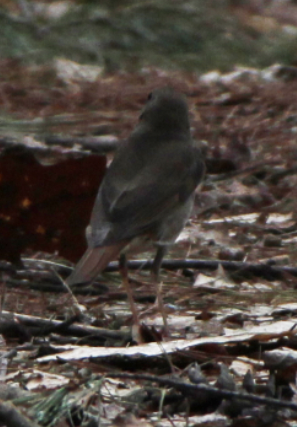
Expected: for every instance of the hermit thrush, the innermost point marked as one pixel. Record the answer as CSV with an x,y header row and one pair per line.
x,y
148,190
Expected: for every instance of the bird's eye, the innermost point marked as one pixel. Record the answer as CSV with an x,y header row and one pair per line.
x,y
141,116
150,96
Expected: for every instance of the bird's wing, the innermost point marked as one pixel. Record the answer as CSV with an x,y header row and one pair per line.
x,y
144,194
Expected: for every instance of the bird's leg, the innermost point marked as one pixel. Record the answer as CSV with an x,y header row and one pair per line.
x,y
161,251
124,273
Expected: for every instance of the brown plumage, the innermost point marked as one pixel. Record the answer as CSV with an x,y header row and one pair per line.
x,y
148,189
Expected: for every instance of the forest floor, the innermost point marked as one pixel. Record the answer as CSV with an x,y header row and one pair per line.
x,y
231,315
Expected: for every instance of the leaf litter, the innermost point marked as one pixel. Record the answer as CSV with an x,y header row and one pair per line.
x,y
239,327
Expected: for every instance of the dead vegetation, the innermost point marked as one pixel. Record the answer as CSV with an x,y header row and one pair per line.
x,y
229,285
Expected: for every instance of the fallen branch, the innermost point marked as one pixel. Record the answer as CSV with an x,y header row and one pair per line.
x,y
97,144
266,271
53,144
66,328
263,270
192,389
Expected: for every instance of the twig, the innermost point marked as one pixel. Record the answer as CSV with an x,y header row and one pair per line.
x,y
72,330
78,307
266,271
262,270
193,389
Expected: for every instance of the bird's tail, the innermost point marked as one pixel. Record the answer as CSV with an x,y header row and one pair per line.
x,y
93,262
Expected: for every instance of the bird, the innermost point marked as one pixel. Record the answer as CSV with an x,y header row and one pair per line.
x,y
147,193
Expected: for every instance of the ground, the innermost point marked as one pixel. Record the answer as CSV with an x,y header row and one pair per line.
x,y
227,312
228,283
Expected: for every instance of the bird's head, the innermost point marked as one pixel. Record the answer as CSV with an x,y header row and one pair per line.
x,y
165,111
